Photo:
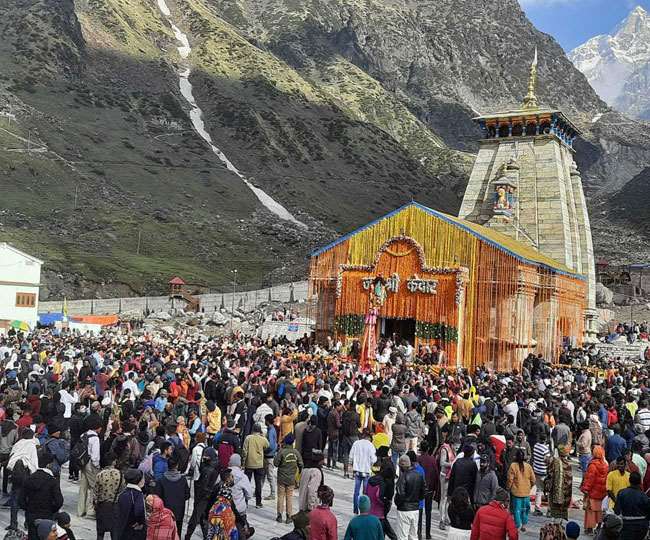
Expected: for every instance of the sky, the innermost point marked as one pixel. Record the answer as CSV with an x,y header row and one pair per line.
x,y
572,22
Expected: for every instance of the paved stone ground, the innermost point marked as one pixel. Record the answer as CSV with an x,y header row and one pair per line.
x,y
264,519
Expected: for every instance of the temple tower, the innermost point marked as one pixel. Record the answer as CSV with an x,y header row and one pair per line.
x,y
526,185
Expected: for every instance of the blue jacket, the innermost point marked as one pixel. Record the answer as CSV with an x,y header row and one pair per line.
x,y
272,436
420,470
159,466
615,447
60,449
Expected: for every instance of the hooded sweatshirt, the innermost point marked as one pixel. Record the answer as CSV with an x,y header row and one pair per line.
x,y
25,450
174,490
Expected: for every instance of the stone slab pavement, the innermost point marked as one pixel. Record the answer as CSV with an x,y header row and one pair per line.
x,y
264,519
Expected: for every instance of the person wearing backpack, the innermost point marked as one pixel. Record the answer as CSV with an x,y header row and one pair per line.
x,y
86,455
23,460
207,475
227,443
58,447
41,495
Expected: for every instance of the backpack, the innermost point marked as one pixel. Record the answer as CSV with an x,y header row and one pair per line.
x,y
224,451
183,456
146,465
79,455
19,473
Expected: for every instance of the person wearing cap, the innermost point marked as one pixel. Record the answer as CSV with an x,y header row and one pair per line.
x,y
288,462
486,483
253,450
365,526
494,521
322,521
45,529
611,528
633,505
131,520
58,447
409,491
572,530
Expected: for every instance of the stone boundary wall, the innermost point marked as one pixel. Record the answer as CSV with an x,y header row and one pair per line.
x,y
246,300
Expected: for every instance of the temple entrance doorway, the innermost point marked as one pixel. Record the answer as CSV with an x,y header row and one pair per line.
x,y
400,328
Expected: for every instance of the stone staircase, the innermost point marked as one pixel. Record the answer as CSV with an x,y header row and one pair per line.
x,y
624,350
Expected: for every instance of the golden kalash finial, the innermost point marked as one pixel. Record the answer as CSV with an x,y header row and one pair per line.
x,y
530,101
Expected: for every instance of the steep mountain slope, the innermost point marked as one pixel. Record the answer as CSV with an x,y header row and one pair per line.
x,y
338,109
151,199
618,65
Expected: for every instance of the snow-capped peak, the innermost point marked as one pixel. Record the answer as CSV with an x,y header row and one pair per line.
x,y
611,63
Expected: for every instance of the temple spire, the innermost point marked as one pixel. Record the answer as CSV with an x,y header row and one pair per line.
x,y
530,101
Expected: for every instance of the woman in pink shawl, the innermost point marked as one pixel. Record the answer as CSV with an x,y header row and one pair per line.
x,y
161,523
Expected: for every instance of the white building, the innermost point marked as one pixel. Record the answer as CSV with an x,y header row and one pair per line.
x,y
20,279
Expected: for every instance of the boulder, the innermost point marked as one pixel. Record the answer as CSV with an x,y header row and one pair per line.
x,y
219,319
604,296
160,316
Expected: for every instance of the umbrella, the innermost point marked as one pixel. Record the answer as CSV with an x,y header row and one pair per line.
x,y
19,325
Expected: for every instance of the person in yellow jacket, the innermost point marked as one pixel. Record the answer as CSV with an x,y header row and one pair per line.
x,y
213,418
521,480
365,416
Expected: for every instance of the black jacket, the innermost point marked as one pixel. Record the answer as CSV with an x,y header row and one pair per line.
x,y
463,474
41,497
350,424
311,439
380,407
174,490
409,491
208,478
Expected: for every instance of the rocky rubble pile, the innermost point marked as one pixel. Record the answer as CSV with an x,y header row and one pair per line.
x,y
217,323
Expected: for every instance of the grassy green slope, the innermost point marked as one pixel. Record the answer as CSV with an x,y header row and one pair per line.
x,y
327,142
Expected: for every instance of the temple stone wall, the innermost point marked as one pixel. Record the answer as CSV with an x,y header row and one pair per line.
x,y
550,212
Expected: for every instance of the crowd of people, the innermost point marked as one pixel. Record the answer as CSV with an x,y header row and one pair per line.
x,y
148,424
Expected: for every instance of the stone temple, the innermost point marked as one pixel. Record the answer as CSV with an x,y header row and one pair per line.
x,y
525,184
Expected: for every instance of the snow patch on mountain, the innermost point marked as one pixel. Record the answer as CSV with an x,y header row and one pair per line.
x,y
616,64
